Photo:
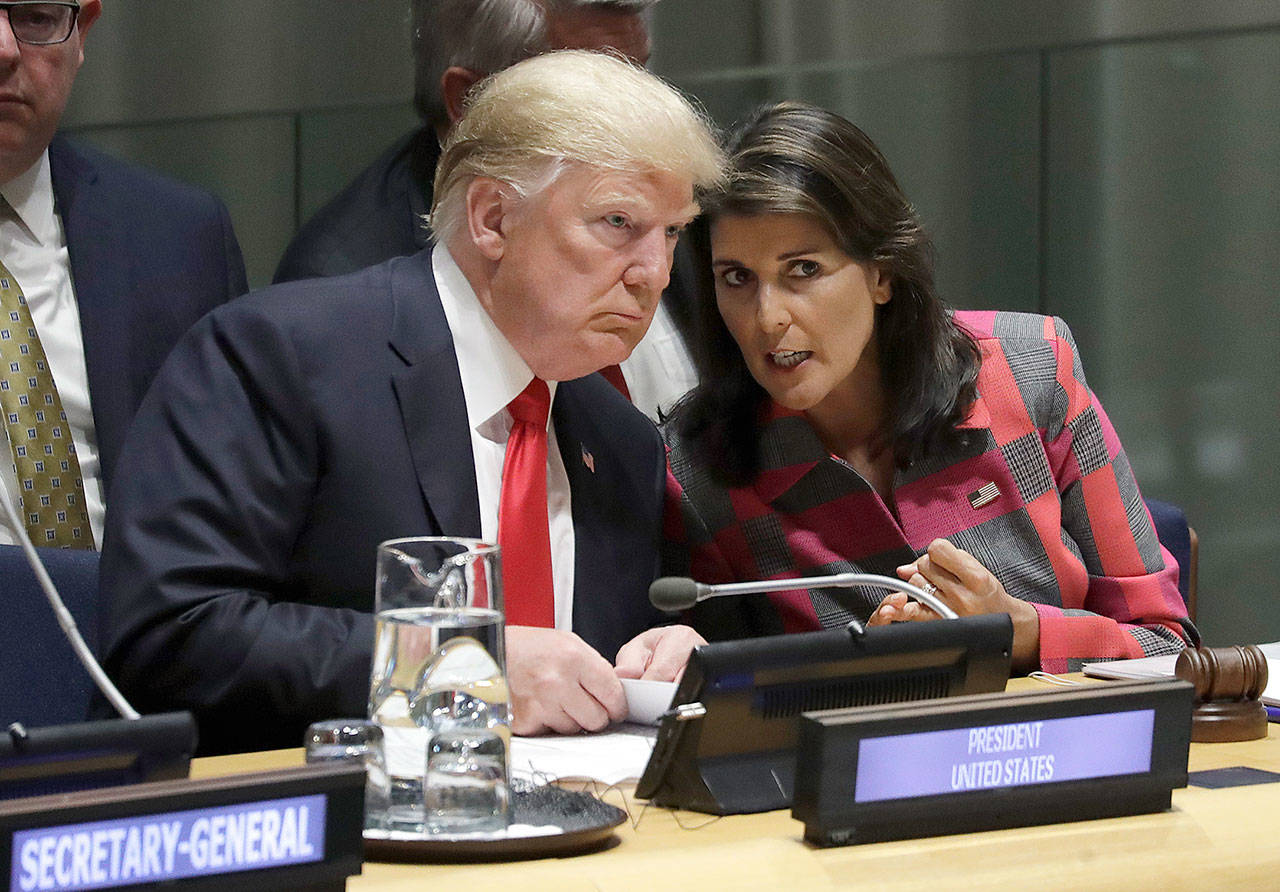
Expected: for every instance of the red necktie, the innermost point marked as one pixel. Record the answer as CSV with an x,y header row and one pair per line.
x,y
523,533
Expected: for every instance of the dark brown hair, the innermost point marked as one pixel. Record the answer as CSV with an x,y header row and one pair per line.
x,y
792,157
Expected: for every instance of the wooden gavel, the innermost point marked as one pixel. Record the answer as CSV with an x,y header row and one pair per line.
x,y
1229,682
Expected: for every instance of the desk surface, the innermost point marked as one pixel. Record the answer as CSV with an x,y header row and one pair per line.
x,y
1223,838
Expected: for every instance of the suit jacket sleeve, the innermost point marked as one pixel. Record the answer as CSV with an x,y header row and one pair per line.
x,y
1132,607
196,560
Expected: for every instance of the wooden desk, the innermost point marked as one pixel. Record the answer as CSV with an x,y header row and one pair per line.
x,y
1210,839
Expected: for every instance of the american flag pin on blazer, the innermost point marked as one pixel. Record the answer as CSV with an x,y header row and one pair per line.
x,y
985,496
589,460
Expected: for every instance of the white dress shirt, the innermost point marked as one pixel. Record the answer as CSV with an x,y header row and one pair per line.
x,y
659,370
493,374
33,246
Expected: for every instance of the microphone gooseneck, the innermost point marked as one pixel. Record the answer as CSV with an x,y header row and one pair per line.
x,y
676,593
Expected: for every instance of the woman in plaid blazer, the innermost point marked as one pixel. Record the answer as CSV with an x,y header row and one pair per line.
x,y
849,422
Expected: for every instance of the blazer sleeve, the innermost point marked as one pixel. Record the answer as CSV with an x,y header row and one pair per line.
x,y
690,549
1131,606
196,557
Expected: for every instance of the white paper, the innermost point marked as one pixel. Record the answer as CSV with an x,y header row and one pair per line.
x,y
611,756
647,700
1162,667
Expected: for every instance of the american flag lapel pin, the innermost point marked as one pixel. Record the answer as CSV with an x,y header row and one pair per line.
x,y
984,496
589,460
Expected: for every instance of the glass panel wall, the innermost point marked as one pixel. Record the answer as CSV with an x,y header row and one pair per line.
x,y
1163,249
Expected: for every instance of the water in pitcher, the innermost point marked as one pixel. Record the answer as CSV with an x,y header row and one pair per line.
x,y
441,698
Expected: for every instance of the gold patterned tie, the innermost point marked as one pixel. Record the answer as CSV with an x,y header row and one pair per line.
x,y
50,489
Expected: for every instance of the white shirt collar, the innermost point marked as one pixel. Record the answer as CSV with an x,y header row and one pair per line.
x,y
30,194
492,372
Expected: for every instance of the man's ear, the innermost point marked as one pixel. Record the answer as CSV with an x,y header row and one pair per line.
x,y
455,83
89,12
487,207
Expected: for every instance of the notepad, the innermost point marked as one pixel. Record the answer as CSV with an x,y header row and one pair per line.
x,y
1162,667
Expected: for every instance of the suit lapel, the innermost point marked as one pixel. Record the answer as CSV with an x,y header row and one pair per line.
x,y
429,393
101,269
574,436
616,475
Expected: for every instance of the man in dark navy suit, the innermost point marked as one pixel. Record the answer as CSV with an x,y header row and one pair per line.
x,y
114,263
294,429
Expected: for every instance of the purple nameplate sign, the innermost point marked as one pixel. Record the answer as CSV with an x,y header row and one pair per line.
x,y
170,846
933,763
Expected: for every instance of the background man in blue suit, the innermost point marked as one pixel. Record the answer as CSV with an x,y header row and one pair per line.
x,y
382,213
114,263
294,429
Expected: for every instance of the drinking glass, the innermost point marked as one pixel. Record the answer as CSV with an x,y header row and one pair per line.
x,y
438,689
341,740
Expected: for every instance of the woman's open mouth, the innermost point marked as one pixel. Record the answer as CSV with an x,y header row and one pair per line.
x,y
789,359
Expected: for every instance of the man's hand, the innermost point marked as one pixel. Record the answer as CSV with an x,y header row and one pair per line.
x,y
658,654
559,683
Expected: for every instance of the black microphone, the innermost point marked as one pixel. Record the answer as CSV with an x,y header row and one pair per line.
x,y
672,594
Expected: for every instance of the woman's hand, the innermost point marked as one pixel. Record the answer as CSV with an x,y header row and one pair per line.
x,y
968,588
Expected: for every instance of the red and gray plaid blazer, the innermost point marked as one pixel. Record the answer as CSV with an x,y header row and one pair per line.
x,y
1041,494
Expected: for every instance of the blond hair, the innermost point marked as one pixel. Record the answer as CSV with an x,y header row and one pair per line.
x,y
524,123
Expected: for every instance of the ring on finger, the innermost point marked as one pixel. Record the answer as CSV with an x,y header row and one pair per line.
x,y
928,588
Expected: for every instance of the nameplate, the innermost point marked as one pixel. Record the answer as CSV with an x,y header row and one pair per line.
x,y
991,760
278,829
